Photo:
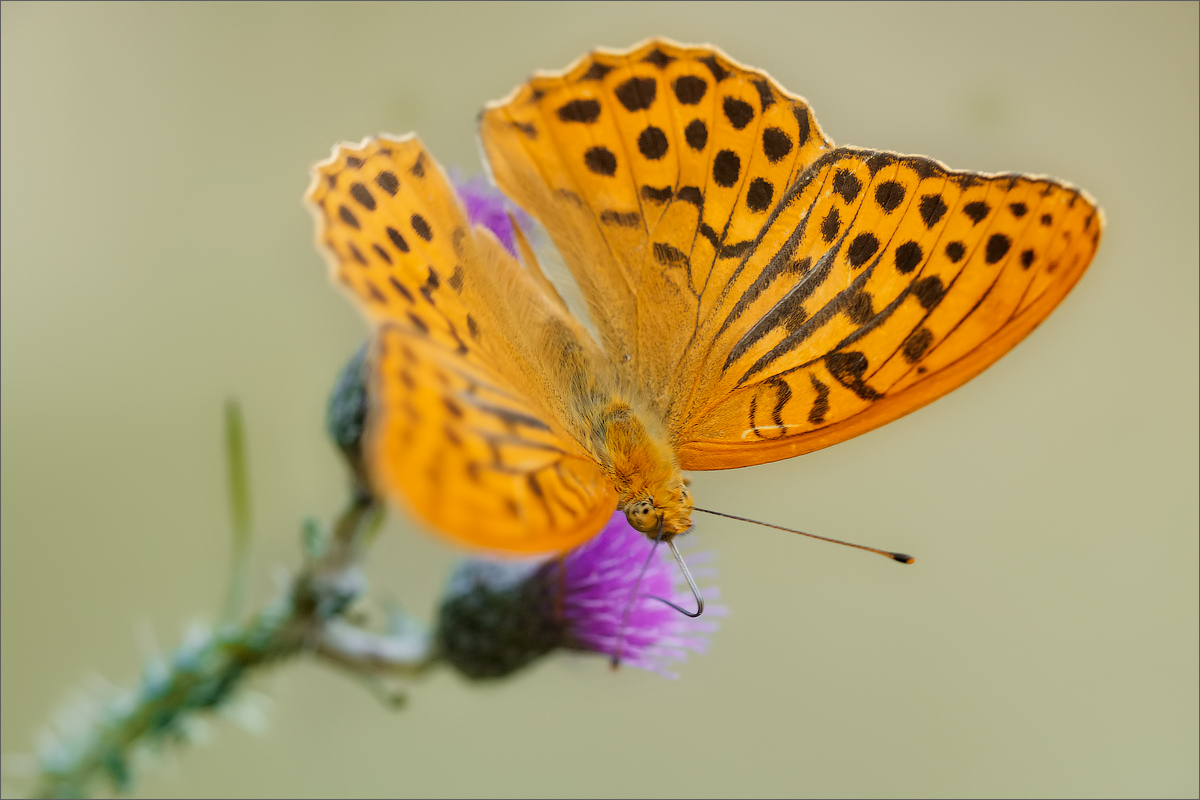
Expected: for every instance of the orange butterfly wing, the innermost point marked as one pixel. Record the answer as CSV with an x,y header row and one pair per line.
x,y
455,431
762,307
881,283
652,170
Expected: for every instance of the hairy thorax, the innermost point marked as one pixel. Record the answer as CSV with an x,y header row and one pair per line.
x,y
642,466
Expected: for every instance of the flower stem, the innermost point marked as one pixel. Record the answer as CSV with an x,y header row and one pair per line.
x,y
204,672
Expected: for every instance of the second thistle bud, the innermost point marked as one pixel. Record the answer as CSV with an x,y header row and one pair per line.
x,y
498,617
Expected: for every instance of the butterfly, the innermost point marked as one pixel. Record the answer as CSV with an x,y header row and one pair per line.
x,y
754,293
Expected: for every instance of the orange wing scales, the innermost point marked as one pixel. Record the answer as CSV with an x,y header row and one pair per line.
x,y
474,460
454,432
881,283
757,293
763,293
669,160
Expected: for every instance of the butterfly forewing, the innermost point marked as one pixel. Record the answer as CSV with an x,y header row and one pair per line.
x,y
653,170
462,429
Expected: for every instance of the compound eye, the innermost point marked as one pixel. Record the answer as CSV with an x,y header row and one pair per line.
x,y
642,516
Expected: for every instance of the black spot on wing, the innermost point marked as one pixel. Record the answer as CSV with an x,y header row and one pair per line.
x,y
847,185
977,211
655,195
727,166
510,418
691,194
625,219
997,247
417,170
418,323
376,295
348,217
878,162
889,195
596,72
388,182
933,208
858,307
652,143
585,111
758,196
766,97
738,112
955,251
848,369
400,288
669,256
924,168
421,227
600,160
801,114
831,225
781,399
820,406
719,72
1018,209
397,239
696,134
908,257
658,58
916,344
929,291
637,94
736,249
861,249
363,196
776,144
689,90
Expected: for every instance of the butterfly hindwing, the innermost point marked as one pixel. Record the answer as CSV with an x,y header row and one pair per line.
x,y
472,459
880,283
456,431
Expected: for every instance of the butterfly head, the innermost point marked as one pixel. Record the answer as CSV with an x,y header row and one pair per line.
x,y
666,512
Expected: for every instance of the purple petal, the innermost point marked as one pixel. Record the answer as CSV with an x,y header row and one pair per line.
x,y
599,580
487,206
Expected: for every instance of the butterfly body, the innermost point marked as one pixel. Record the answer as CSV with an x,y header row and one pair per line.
x,y
621,432
756,293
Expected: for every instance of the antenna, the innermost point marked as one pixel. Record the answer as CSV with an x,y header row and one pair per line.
x,y
903,558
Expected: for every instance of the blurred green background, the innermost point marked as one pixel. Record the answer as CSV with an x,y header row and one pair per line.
x,y
156,259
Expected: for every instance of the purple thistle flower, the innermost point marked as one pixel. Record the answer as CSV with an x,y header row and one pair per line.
x,y
599,579
499,616
487,206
